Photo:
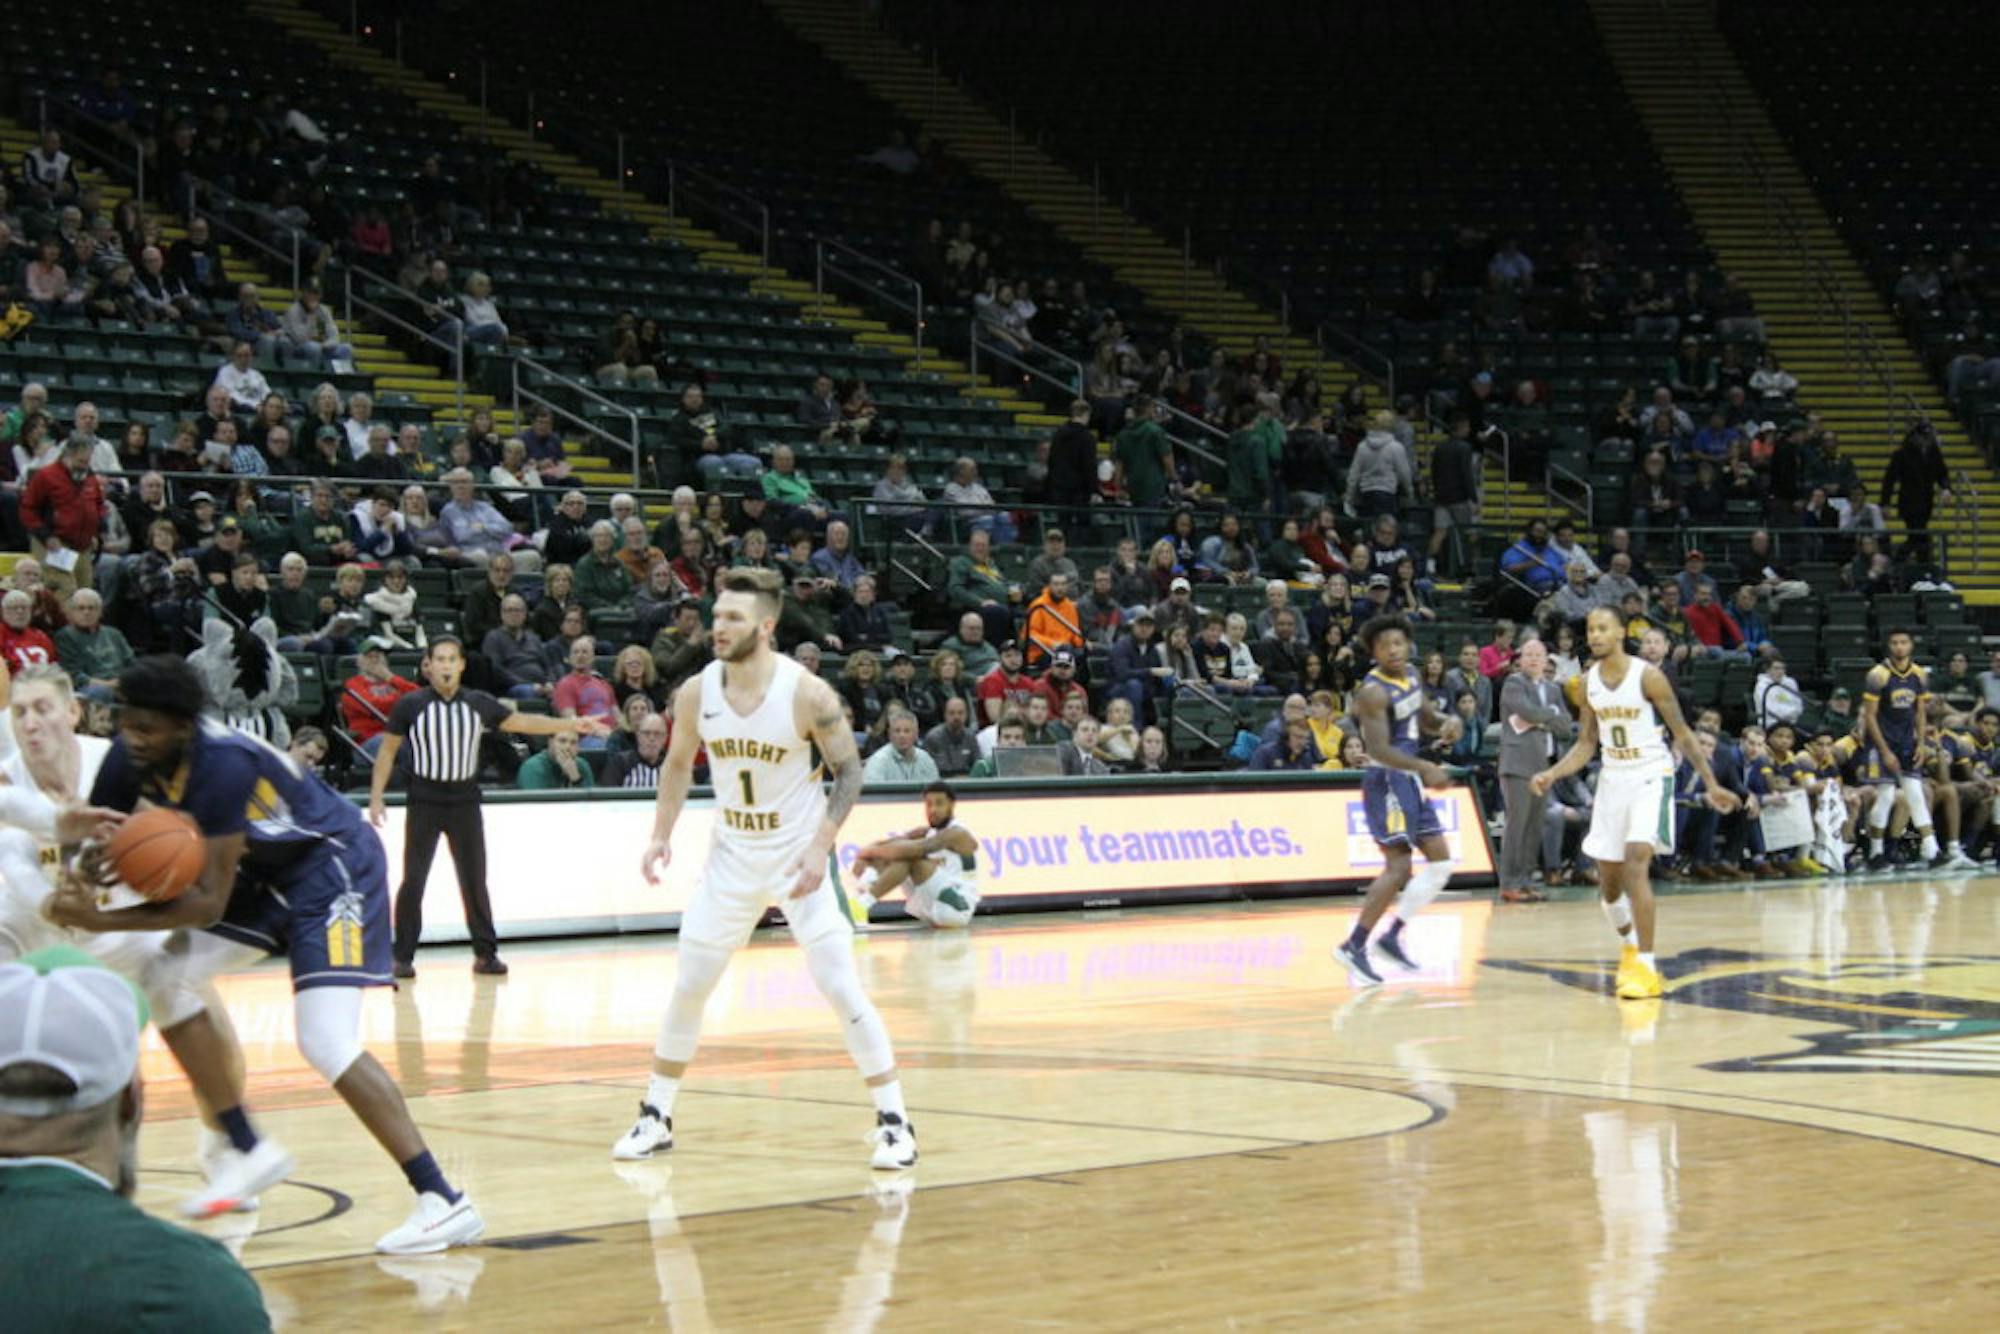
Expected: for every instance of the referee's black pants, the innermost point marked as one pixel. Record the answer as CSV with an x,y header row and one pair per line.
x,y
461,823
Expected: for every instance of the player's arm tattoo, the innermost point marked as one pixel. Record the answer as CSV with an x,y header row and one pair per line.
x,y
842,760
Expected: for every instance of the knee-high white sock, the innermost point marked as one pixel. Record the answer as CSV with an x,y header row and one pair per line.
x,y
701,967
1424,885
1878,815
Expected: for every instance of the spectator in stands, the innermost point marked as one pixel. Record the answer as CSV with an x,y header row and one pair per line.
x,y
22,644
633,672
1694,575
1861,514
1576,599
569,530
481,612
638,555
582,693
368,696
1100,614
1713,627
694,444
807,614
319,531
601,580
1825,466
359,421
1053,621
864,622
378,463
1511,267
478,531
1053,559
1006,685
1917,469
640,767
1227,554
557,768
311,338
1281,654
47,174
484,324
248,322
792,491
898,498
1144,457
836,560
902,760
972,504
1534,561
621,361
1777,698
63,509
691,566
242,381
1294,751
952,746
973,583
92,652
1072,482
197,262
1379,480
46,285
681,649
819,409
1011,733
1712,441
1656,496
1735,311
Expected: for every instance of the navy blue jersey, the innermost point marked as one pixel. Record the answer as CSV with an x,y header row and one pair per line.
x,y
236,784
1406,704
1899,706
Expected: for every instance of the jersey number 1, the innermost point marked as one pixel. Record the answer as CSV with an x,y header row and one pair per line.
x,y
749,793
1617,739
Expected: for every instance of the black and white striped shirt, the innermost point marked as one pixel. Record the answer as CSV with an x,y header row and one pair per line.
x,y
441,740
630,770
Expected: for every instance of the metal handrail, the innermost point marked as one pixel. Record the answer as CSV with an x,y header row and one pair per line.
x,y
994,352
216,220
456,346
1343,339
583,391
680,176
826,256
1589,503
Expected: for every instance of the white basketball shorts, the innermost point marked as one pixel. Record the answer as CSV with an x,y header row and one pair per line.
x,y
1632,806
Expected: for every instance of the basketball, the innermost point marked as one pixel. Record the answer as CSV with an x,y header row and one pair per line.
x,y
158,852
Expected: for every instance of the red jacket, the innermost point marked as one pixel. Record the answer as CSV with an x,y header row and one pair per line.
x,y
25,648
1713,626
357,717
57,503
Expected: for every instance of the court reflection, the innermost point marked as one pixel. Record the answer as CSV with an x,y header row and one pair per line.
x,y
1634,1158
865,1287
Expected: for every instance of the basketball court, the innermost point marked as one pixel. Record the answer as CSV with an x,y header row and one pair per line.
x,y
1185,1118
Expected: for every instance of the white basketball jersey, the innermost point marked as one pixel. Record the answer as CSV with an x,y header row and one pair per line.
x,y
1629,736
955,868
766,777
14,764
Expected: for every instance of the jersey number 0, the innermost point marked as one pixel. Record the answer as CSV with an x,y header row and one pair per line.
x,y
1617,738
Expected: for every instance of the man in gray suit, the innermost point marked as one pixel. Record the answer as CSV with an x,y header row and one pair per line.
x,y
1534,723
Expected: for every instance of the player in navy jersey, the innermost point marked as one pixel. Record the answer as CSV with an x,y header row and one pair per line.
x,y
292,869
1892,713
1394,717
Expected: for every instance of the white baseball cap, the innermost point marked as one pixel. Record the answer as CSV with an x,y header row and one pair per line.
x,y
62,1009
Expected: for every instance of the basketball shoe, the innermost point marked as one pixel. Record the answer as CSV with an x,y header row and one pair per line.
x,y
1641,983
434,1225
1356,958
652,1133
211,1149
895,1142
236,1180
1391,944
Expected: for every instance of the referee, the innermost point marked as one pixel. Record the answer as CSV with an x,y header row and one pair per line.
x,y
443,726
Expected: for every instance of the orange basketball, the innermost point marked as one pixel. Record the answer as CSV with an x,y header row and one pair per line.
x,y
158,852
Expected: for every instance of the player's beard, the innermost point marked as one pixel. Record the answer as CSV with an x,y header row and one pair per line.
x,y
746,646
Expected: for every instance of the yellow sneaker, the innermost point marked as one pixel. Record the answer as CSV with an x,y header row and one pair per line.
x,y
1812,867
1641,983
1628,965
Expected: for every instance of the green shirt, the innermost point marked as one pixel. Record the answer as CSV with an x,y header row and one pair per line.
x,y
601,583
1249,471
968,585
978,659
93,657
80,1256
541,774
1143,448
886,766
788,488
295,610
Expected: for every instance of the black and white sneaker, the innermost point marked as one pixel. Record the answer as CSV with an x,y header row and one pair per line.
x,y
895,1142
652,1133
1391,944
1358,964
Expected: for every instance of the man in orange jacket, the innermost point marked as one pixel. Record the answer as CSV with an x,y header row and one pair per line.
x,y
1053,622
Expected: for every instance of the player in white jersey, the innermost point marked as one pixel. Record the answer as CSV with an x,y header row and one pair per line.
x,y
46,767
939,864
1627,700
760,715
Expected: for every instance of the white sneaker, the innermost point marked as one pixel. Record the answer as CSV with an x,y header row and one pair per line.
x,y
211,1149
895,1142
1958,861
237,1179
436,1223
652,1133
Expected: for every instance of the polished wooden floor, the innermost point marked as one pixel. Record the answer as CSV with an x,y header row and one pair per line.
x,y
1188,1119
